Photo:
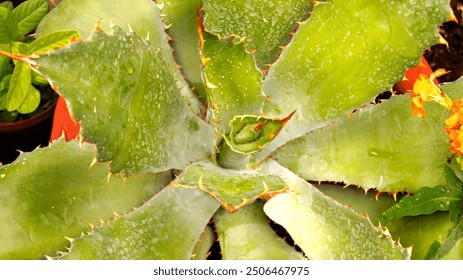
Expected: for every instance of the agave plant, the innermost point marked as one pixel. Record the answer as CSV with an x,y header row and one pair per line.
x,y
205,120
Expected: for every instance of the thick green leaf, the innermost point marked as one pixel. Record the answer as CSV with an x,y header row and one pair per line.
x,y
52,41
369,204
126,98
181,17
328,70
141,16
19,87
247,235
429,200
234,84
324,228
232,188
264,25
166,227
382,146
55,192
28,15
250,134
31,102
8,26
204,244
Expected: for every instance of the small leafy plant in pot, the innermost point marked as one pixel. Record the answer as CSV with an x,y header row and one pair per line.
x,y
26,99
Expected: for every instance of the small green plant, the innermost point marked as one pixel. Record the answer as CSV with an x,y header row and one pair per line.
x,y
229,134
20,88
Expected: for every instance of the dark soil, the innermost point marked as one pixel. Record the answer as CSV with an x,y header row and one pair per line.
x,y
449,57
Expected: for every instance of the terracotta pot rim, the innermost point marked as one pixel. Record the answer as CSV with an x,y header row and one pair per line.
x,y
22,124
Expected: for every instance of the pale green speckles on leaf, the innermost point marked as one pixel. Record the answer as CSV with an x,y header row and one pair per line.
x,y
139,16
324,228
382,146
232,188
264,25
124,93
247,235
333,66
45,197
166,227
234,83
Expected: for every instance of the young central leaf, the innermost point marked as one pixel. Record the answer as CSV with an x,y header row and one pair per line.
x,y
250,134
125,96
232,188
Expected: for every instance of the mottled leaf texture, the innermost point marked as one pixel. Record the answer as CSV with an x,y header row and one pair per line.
x,y
418,232
382,146
324,228
56,192
121,90
247,235
166,227
232,188
265,26
140,16
234,84
344,55
181,18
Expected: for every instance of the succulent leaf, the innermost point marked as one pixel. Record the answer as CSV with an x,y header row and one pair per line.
x,y
232,188
46,197
181,18
123,94
328,70
239,240
234,83
382,146
324,228
166,227
265,26
418,232
204,244
139,16
250,134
